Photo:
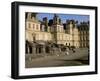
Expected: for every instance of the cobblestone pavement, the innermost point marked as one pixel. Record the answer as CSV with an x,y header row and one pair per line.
x,y
79,57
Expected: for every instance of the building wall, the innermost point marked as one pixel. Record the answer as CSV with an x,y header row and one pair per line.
x,y
84,35
40,31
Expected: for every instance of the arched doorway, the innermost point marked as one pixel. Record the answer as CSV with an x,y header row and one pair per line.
x,y
30,49
39,49
26,48
47,49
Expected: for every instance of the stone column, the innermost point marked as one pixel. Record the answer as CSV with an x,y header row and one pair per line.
x,y
59,50
37,49
34,49
43,49
50,49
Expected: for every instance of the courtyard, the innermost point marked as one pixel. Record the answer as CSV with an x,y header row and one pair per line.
x,y
77,58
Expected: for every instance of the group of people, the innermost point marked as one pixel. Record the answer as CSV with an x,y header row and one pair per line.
x,y
67,50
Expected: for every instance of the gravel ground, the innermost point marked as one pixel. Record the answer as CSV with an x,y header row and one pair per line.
x,y
73,59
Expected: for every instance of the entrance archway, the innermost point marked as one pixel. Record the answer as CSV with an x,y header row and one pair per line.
x,y
26,48
47,49
39,49
30,49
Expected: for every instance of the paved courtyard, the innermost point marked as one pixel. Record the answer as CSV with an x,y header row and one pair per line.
x,y
79,57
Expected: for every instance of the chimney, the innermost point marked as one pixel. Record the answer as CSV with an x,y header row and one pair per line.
x,y
45,21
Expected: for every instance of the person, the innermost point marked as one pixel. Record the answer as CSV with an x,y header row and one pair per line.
x,y
73,50
67,53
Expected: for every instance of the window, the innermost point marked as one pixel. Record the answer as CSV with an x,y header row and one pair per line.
x,y
33,26
29,25
58,29
81,38
33,38
60,37
37,27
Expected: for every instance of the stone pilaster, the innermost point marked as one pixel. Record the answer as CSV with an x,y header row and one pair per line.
x,y
28,50
34,50
43,49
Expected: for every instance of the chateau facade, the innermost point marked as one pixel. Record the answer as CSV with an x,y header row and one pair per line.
x,y
55,31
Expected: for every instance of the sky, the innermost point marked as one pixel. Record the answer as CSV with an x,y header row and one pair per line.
x,y
63,17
